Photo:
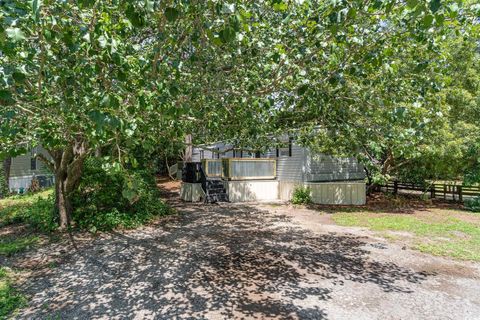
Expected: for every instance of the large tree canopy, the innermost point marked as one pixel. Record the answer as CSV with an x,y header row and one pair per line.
x,y
351,77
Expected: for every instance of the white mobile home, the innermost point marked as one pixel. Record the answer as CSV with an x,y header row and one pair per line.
x,y
332,180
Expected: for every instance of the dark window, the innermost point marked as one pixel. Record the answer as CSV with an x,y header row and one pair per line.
x,y
290,147
33,163
257,154
241,154
277,151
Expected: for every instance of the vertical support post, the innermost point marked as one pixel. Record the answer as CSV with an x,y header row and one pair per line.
x,y
395,187
432,191
460,194
188,148
444,191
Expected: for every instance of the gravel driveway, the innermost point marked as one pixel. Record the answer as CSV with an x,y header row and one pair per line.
x,y
247,262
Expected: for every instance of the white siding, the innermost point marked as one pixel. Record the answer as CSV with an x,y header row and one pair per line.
x,y
292,168
21,165
321,167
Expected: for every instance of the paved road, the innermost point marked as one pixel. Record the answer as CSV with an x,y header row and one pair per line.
x,y
248,262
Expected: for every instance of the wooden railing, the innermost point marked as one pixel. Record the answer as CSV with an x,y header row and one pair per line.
x,y
212,167
436,190
249,168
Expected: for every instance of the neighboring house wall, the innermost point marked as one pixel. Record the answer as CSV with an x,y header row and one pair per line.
x,y
25,167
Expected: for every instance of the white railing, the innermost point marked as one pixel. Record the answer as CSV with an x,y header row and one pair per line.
x,y
249,168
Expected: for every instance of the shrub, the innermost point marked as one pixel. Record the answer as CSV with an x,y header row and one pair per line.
x,y
41,214
301,195
473,204
106,200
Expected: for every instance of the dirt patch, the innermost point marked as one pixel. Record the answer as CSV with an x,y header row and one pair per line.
x,y
168,188
16,230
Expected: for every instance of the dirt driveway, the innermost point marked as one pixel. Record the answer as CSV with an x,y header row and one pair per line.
x,y
247,262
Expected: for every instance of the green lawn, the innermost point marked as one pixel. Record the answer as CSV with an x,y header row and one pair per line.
x,y
443,232
11,208
10,299
12,245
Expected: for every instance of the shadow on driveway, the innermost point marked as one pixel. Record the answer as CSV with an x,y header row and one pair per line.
x,y
213,262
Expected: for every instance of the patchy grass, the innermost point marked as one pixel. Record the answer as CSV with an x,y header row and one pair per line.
x,y
451,233
12,208
10,299
9,246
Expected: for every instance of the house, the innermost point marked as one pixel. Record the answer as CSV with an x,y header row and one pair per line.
x,y
332,180
25,167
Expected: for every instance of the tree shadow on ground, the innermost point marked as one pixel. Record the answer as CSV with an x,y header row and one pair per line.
x,y
219,261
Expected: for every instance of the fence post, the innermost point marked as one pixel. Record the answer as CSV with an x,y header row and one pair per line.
x,y
444,191
395,187
432,191
460,195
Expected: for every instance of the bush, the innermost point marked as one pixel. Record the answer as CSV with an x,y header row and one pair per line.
x,y
106,200
473,204
301,195
41,214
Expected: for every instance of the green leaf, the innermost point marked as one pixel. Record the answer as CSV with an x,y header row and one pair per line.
x,y
15,34
129,194
36,4
134,17
6,97
149,5
227,34
86,3
171,14
435,5
427,21
18,76
412,3
302,90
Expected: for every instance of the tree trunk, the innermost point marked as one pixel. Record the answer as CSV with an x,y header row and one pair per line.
x,y
68,167
7,164
62,203
188,149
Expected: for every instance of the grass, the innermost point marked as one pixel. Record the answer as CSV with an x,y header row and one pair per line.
x,y
10,299
11,208
450,233
9,246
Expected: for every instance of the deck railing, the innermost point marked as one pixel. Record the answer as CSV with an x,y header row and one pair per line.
x,y
212,167
249,168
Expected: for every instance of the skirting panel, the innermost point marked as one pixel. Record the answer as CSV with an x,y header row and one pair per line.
x,y
344,193
191,192
254,190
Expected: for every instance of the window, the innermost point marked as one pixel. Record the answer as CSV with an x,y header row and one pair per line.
x,y
33,159
285,151
33,163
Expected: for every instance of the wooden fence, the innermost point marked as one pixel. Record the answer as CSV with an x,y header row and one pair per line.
x,y
436,190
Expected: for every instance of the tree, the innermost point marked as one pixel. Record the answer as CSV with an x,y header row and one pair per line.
x,y
84,75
